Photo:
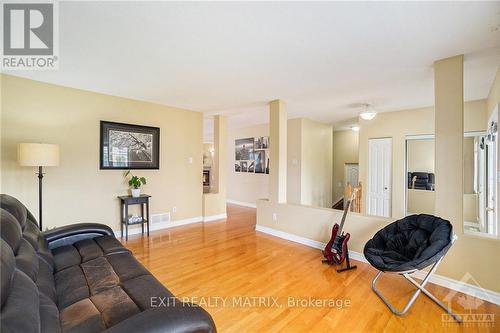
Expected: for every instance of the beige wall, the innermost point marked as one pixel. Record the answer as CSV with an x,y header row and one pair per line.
x,y
278,116
397,125
76,190
309,163
421,155
316,223
345,150
421,202
471,202
294,156
494,95
316,164
468,165
245,187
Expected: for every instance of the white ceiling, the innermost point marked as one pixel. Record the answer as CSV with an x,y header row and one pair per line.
x,y
234,57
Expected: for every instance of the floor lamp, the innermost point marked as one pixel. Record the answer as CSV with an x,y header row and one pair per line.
x,y
38,155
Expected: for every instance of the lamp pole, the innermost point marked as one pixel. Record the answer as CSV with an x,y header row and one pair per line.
x,y
38,155
40,177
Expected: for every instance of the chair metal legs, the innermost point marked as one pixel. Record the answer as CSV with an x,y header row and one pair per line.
x,y
420,288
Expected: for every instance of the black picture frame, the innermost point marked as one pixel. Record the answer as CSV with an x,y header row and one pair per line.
x,y
140,149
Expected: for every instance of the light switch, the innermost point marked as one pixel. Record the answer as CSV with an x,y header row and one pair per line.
x,y
190,160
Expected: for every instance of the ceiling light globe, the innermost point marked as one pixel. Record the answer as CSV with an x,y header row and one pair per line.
x,y
368,115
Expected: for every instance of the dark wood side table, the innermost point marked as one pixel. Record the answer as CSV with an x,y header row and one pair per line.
x,y
128,200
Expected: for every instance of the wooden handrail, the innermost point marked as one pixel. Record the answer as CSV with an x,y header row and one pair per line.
x,y
356,202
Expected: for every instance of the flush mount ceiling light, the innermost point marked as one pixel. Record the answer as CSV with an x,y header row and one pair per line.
x,y
368,113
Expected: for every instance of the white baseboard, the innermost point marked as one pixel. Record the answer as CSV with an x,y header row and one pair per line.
x,y
212,218
241,203
291,237
158,226
460,286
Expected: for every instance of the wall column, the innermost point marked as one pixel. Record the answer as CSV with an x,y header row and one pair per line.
x,y
214,204
220,153
277,151
449,128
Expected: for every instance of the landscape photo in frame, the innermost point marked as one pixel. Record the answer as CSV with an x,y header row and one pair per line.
x,y
127,146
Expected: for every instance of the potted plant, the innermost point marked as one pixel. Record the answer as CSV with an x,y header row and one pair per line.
x,y
135,183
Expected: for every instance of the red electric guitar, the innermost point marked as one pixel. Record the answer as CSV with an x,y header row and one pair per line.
x,y
336,249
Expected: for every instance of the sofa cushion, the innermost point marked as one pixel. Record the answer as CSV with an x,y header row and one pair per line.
x,y
49,315
66,256
14,207
81,317
115,305
27,259
142,288
8,267
11,230
126,266
85,250
100,275
45,280
22,301
88,249
71,286
110,244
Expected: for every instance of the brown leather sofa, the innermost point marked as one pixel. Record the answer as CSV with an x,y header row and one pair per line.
x,y
80,278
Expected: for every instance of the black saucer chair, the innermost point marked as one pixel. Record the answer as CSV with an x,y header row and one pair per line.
x,y
406,246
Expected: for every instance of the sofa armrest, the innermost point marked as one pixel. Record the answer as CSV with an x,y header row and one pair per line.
x,y
183,317
72,233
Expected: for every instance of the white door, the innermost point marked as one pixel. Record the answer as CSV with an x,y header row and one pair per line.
x,y
351,174
379,176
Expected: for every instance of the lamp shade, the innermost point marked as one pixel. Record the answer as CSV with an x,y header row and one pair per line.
x,y
38,154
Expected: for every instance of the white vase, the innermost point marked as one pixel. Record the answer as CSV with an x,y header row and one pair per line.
x,y
136,192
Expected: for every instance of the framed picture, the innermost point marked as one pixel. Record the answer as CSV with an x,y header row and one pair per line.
x,y
260,161
261,142
126,146
251,166
244,166
244,149
252,155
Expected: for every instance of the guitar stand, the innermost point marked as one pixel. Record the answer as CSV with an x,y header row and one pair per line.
x,y
340,270
348,267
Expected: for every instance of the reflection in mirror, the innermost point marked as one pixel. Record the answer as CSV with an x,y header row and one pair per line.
x,y
480,181
345,168
420,195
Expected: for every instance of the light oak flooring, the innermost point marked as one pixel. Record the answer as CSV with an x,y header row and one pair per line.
x,y
209,262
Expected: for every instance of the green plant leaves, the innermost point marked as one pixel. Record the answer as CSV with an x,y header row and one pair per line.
x,y
135,181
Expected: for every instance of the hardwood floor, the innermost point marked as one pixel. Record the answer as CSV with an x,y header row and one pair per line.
x,y
205,261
